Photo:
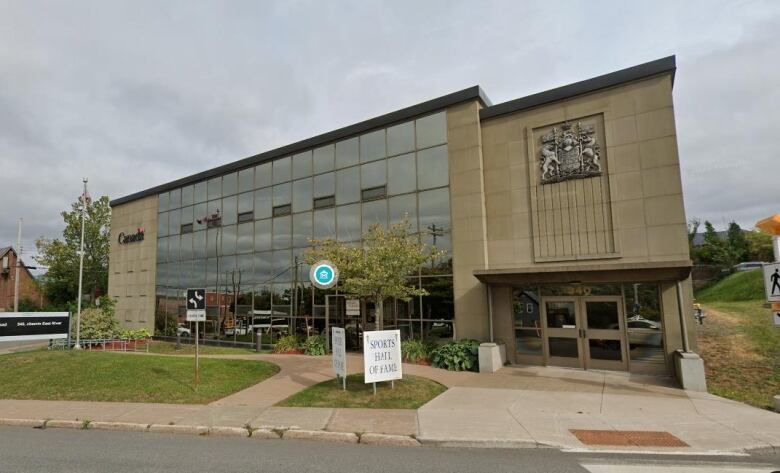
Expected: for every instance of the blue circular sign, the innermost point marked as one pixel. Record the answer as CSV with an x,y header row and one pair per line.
x,y
324,275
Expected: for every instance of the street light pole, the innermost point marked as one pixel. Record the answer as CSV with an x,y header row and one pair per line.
x,y
18,264
84,198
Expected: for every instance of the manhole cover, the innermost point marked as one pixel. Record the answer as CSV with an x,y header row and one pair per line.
x,y
627,438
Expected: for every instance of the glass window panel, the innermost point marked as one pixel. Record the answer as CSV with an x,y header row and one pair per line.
x,y
199,192
644,322
561,315
347,186
602,315
324,224
175,199
229,210
301,165
282,194
263,235
402,173
373,193
246,180
213,207
600,349
263,203
302,227
440,302
199,212
162,224
245,241
162,250
282,232
228,240
400,139
173,248
282,262
262,269
281,210
373,174
245,202
186,196
528,342
563,347
262,175
324,185
349,222
432,130
324,159
187,215
374,212
163,202
372,146
404,206
434,208
230,184
525,305
347,153
174,222
199,244
211,273
215,188
436,169
301,198
185,247
282,170
212,241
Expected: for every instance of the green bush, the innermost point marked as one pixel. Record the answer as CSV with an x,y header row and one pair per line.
x,y
414,350
98,322
131,334
314,345
286,344
456,356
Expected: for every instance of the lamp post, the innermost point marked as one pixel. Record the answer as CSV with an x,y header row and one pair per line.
x,y
84,202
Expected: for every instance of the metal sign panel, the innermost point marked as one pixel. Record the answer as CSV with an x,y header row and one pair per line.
x,y
196,305
776,317
339,346
353,307
33,325
324,274
772,281
382,355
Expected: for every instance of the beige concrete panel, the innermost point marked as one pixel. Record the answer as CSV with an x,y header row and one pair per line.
x,y
522,225
501,253
495,156
659,152
495,131
463,137
661,181
624,158
518,176
469,182
503,323
463,114
656,124
621,131
524,253
497,180
471,300
633,242
628,186
653,94
630,213
664,210
667,240
520,200
498,205
462,160
499,228
620,105
584,106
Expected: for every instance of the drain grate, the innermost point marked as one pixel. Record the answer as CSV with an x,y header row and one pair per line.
x,y
627,438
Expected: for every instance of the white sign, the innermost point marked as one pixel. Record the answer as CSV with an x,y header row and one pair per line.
x,y
324,274
776,316
382,355
339,347
353,307
196,305
772,281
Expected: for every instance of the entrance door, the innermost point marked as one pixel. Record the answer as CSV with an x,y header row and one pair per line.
x,y
584,332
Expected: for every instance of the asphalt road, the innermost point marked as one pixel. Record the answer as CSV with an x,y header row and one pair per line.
x,y
66,450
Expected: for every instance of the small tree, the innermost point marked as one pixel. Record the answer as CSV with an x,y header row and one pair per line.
x,y
379,270
759,246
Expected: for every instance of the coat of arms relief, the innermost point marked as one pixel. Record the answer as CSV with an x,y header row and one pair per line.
x,y
569,151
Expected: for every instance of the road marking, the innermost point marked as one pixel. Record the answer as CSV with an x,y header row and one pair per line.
x,y
720,468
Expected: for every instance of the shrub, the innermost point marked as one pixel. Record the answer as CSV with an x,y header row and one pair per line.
x,y
139,334
414,350
314,345
456,356
98,322
286,344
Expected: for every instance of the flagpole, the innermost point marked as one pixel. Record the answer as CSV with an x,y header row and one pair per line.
x,y
81,266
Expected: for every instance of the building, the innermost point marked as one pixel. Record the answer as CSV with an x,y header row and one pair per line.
x,y
29,291
562,213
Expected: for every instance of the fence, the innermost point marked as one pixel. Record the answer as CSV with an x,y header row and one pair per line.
x,y
105,344
215,342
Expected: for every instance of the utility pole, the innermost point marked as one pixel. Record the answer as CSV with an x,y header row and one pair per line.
x,y
18,265
84,202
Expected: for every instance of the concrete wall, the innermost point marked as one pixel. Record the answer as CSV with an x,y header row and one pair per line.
x,y
132,266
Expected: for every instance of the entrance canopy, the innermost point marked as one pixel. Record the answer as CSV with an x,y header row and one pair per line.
x,y
588,273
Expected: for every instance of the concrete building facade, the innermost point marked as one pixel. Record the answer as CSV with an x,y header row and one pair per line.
x,y
562,213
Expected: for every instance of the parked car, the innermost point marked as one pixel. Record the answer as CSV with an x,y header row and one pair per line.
x,y
748,265
183,331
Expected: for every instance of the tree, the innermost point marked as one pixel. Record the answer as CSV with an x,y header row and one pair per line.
x,y
759,246
712,250
693,230
736,245
379,270
62,258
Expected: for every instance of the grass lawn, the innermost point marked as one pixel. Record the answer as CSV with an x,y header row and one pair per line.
x,y
169,348
105,376
409,393
741,351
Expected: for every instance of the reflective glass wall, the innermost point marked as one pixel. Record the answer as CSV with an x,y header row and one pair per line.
x,y
268,213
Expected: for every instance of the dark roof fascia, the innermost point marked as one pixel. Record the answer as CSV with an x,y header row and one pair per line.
x,y
430,106
665,65
5,250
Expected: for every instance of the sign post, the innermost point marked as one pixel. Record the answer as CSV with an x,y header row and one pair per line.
x,y
382,356
324,275
338,342
196,312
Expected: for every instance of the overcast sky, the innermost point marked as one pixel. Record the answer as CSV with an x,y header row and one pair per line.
x,y
138,93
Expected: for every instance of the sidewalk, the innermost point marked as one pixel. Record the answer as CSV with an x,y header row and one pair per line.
x,y
514,407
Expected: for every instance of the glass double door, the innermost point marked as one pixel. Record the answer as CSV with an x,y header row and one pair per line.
x,y
584,332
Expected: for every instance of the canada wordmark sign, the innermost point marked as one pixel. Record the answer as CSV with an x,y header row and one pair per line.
x,y
33,325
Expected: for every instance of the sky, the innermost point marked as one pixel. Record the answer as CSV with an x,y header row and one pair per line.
x,y
138,93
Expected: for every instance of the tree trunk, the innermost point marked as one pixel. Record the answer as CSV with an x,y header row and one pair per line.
x,y
380,313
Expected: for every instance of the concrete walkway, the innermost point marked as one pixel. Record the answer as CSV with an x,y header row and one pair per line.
x,y
514,407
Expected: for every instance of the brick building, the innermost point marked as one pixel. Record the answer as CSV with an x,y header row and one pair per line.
x,y
28,286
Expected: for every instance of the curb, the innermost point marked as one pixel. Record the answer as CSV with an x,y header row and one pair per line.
x,y
494,443
179,429
389,440
119,426
35,423
322,435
